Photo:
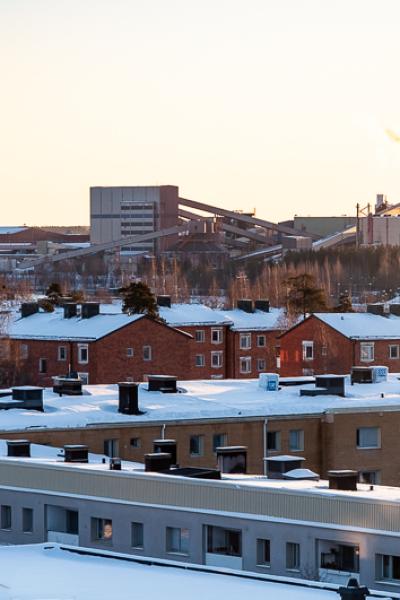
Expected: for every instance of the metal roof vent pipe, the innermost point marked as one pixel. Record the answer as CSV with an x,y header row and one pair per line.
x,y
20,448
245,305
262,305
164,301
166,446
70,310
90,309
28,309
353,591
128,402
232,459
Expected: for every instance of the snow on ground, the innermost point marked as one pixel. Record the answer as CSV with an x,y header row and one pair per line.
x,y
47,572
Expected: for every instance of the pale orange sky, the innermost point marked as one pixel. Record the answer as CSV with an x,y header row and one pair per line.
x,y
280,105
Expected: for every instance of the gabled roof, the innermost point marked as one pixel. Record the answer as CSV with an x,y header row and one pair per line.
x,y
257,320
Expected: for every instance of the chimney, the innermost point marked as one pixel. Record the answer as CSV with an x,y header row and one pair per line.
x,y
375,309
166,446
245,305
89,310
70,310
164,301
28,309
157,461
76,453
18,448
262,305
128,398
232,459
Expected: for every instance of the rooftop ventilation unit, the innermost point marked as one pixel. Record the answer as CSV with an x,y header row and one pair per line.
x,y
375,374
89,310
76,453
327,385
157,462
29,308
68,386
268,382
166,446
376,309
164,301
394,309
115,464
128,398
245,305
30,396
344,479
301,475
162,383
277,466
70,310
232,459
262,305
18,448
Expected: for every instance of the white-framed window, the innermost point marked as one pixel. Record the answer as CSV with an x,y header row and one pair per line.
x,y
84,377
261,364
130,352
199,335
387,567
216,336
178,539
83,354
261,341
296,440
62,353
42,365
394,351
368,437
24,351
196,445
245,341
200,360
293,556
369,477
147,353
263,553
137,535
216,359
224,541
367,351
245,364
102,529
308,350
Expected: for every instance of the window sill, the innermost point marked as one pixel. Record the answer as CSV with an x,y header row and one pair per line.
x,y
368,447
297,570
176,553
264,566
391,582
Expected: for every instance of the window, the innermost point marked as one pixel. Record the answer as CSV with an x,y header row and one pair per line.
x,y
200,360
72,521
27,520
129,352
196,445
261,364
216,360
261,341
308,350
136,442
111,448
388,567
102,529
224,541
263,553
146,352
5,517
245,341
24,351
219,440
199,335
393,351
368,437
245,364
84,377
366,351
42,365
296,440
83,354
137,535
273,440
340,557
293,556
62,353
216,336
178,540
370,477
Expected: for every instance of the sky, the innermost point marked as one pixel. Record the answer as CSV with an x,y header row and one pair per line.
x,y
277,105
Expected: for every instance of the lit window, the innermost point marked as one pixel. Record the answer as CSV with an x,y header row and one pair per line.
x,y
102,529
245,341
216,336
245,364
368,437
366,352
308,350
178,539
83,354
147,353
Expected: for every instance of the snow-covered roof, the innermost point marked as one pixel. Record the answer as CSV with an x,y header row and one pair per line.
x,y
192,314
54,571
363,325
10,230
257,320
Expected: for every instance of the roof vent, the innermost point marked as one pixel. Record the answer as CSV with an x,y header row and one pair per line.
x,y
164,301
394,309
18,448
70,310
69,386
30,396
375,374
76,453
262,305
29,308
327,385
128,398
375,309
301,474
245,305
162,383
157,462
232,459
277,466
166,446
268,381
344,479
89,310
115,464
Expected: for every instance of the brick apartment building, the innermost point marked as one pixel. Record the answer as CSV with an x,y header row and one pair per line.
x,y
104,345
334,342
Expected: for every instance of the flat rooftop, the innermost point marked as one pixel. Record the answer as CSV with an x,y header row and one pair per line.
x,y
197,400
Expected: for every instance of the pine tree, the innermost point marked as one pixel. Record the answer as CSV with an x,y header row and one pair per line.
x,y
138,298
304,296
344,304
54,293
